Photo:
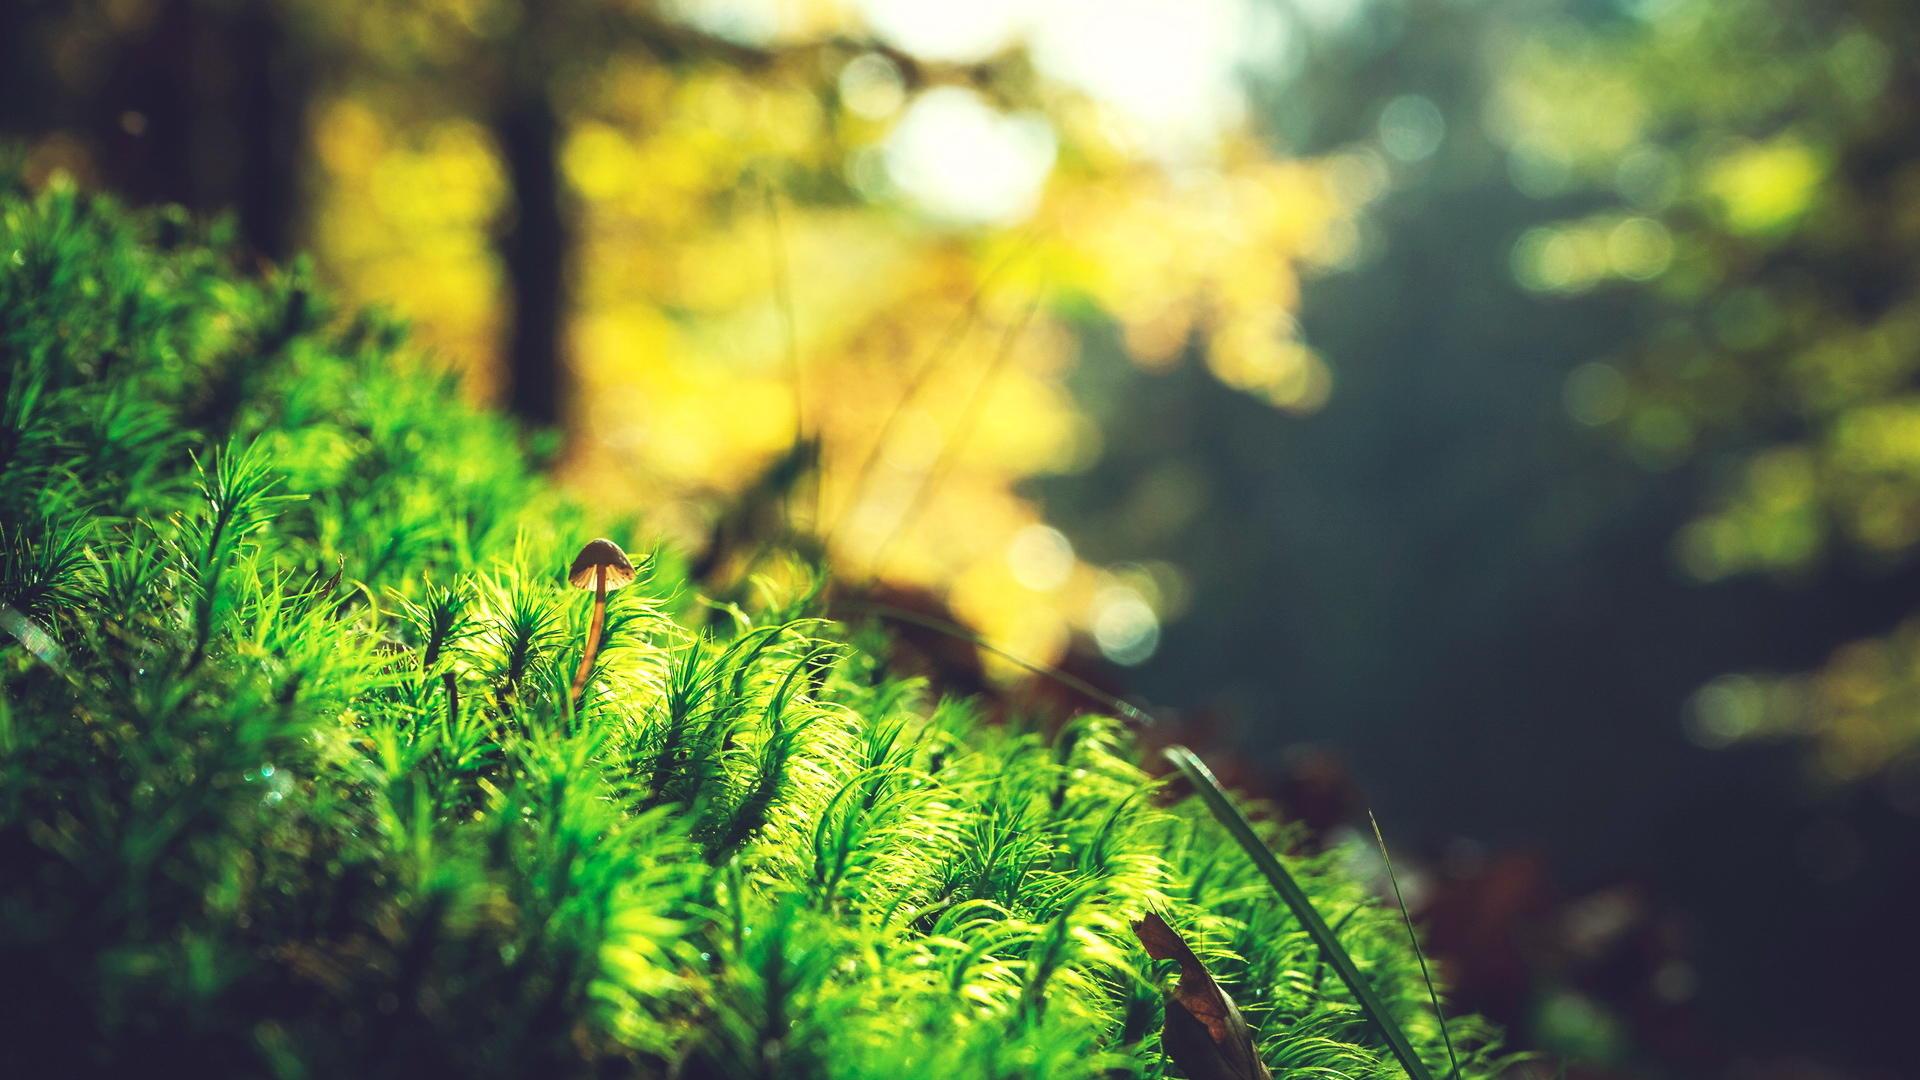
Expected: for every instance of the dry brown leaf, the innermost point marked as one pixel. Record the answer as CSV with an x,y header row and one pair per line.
x,y
1205,1034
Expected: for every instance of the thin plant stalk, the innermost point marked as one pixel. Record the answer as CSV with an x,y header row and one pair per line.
x,y
1125,710
934,478
1433,993
1296,900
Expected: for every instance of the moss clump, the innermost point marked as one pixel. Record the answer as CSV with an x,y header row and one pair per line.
x,y
290,782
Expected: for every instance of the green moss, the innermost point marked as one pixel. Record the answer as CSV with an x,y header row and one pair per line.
x,y
292,784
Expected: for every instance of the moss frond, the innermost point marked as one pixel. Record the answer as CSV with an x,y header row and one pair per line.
x,y
306,792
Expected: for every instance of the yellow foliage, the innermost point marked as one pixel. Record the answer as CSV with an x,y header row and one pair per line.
x,y
929,358
1763,187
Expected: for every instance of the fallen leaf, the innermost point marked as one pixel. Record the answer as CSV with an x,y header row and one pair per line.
x,y
1205,1034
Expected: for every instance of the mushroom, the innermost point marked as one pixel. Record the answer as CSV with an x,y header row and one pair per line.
x,y
602,567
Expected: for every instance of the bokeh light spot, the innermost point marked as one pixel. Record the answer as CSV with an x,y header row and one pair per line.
x,y
1639,248
956,32
959,159
871,87
1041,557
1412,128
1124,625
1595,393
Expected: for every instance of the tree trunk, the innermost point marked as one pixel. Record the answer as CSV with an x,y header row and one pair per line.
x,y
276,83
204,105
534,246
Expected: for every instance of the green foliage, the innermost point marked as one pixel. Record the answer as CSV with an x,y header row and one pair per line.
x,y
291,781
1753,146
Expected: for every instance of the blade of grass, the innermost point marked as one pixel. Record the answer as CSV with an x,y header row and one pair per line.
x,y
37,641
1268,864
1237,825
1433,995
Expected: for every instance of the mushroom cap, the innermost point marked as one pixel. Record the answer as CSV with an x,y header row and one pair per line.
x,y
597,554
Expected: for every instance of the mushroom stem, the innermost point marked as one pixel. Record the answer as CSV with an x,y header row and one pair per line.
x,y
593,632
